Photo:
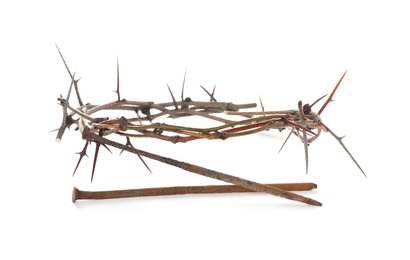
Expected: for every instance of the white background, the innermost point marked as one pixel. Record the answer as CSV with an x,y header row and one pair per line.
x,y
282,52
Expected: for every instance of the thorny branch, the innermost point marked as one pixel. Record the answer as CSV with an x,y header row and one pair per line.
x,y
302,122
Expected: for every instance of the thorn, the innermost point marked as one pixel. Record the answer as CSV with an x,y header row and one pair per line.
x,y
331,95
287,138
69,90
308,108
130,144
71,76
213,92
106,147
260,101
306,145
339,139
183,86
318,100
65,64
173,98
82,154
209,94
97,149
80,102
127,144
118,81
